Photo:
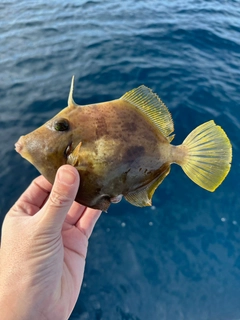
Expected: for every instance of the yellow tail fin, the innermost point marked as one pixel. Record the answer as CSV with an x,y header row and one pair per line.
x,y
208,157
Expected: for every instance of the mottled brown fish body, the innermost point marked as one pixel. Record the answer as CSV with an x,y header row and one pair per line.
x,y
122,148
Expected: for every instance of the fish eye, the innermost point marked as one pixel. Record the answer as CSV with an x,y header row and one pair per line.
x,y
61,125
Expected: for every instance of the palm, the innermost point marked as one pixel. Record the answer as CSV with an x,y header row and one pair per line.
x,y
73,243
75,235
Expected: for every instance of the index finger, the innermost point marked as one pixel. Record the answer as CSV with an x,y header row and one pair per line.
x,y
34,197
88,220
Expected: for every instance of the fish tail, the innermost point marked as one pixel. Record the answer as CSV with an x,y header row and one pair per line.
x,y
206,155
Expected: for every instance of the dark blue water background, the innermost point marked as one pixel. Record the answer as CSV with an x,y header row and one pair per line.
x,y
179,259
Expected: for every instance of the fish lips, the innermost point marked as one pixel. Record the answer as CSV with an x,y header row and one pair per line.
x,y
18,146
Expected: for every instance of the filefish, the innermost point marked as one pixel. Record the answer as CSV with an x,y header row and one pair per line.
x,y
122,148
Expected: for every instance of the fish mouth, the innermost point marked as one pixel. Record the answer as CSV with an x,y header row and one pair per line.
x,y
18,147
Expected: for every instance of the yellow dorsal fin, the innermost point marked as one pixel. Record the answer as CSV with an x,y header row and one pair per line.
x,y
151,105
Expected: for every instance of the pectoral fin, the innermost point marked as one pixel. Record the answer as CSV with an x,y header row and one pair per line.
x,y
73,158
143,197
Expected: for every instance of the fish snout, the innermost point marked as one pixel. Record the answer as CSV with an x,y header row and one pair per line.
x,y
19,145
22,147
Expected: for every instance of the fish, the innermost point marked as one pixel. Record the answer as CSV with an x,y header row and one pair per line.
x,y
122,148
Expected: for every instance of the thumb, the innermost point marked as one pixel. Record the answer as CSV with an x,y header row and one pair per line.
x,y
61,198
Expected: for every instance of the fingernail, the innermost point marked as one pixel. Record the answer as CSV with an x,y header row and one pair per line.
x,y
67,177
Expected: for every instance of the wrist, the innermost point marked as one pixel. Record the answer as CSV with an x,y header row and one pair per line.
x,y
15,298
13,304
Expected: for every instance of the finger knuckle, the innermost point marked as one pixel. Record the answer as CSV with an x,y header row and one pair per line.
x,y
57,199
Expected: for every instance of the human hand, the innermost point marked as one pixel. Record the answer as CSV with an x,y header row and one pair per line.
x,y
43,250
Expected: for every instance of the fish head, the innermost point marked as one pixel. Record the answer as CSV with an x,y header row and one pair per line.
x,y
49,146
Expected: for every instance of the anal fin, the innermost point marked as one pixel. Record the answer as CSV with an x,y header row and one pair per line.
x,y
143,197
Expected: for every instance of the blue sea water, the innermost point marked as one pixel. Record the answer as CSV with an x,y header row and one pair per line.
x,y
180,259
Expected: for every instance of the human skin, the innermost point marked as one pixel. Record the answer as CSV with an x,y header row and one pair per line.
x,y
43,249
